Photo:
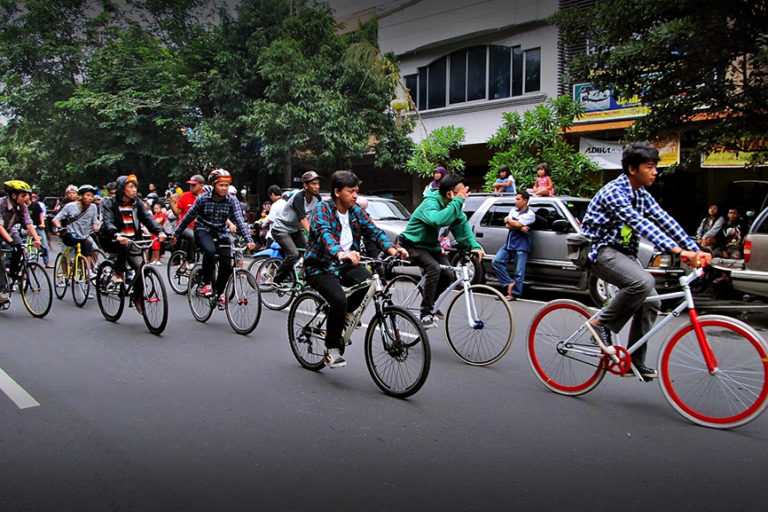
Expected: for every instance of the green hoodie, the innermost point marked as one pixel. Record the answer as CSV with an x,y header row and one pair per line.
x,y
433,214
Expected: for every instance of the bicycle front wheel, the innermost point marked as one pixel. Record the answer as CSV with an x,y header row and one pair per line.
x,y
60,279
561,351
178,272
200,305
275,296
484,337
81,285
243,304
155,307
735,393
97,256
397,352
36,292
110,296
306,330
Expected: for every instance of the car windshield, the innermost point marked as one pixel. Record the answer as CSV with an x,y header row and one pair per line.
x,y
387,210
577,208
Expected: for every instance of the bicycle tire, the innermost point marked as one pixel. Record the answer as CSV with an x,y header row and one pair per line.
x,y
110,296
60,277
81,285
253,266
36,290
562,371
274,297
97,256
155,306
178,279
306,330
201,306
736,393
487,341
243,302
405,292
397,352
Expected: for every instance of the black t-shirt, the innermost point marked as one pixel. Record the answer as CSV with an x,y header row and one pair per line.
x,y
35,211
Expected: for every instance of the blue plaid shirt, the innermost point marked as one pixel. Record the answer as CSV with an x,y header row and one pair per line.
x,y
212,216
615,205
323,247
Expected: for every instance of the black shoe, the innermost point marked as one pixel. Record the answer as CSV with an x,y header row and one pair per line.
x,y
646,373
604,333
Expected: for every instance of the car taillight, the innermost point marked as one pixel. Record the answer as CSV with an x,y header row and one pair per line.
x,y
747,250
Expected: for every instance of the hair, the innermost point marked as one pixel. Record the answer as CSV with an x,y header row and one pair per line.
x,y
637,153
274,190
449,182
505,168
524,194
545,166
341,179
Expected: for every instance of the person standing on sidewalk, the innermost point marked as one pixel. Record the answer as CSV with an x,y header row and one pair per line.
x,y
517,247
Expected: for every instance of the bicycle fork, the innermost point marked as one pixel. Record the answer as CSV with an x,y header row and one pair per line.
x,y
706,350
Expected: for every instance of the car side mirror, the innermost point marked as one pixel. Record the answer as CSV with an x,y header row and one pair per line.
x,y
562,226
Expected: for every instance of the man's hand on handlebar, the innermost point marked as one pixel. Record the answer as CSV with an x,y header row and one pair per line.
x,y
696,258
352,256
478,253
399,251
123,240
251,246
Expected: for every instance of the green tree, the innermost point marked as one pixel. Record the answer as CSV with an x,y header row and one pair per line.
x,y
437,149
522,142
684,59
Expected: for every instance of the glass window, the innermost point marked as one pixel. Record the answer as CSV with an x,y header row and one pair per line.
x,y
498,72
422,89
436,87
412,84
476,58
458,82
517,71
532,70
495,216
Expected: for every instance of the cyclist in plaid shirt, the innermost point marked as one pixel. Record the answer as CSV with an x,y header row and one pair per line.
x,y
617,216
333,255
212,209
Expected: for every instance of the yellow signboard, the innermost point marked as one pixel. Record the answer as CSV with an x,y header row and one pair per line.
x,y
669,150
722,157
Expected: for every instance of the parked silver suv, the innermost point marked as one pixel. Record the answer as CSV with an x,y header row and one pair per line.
x,y
753,277
548,264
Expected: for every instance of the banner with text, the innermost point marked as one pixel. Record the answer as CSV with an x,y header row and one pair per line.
x,y
721,157
607,153
601,105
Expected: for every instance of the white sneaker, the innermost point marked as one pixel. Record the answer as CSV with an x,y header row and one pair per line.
x,y
4,297
333,358
428,322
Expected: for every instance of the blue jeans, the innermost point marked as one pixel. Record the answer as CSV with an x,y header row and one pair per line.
x,y
500,267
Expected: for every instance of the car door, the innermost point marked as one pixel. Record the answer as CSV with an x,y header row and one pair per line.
x,y
548,261
491,231
754,278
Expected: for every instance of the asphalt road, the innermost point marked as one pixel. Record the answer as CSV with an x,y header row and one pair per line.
x,y
202,419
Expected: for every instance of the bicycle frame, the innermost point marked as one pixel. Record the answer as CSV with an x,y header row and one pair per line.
x,y
462,277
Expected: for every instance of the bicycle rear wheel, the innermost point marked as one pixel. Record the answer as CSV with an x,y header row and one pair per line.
x,y
97,256
275,296
562,352
486,341
397,352
735,393
81,285
306,330
406,292
155,307
36,292
60,279
178,272
201,306
110,296
243,302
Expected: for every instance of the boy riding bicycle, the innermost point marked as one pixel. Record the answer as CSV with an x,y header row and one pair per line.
x,y
78,219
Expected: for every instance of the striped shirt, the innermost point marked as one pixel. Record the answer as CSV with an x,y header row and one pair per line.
x,y
129,227
617,215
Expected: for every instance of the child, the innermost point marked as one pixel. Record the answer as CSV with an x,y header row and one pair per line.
x,y
161,219
544,185
506,183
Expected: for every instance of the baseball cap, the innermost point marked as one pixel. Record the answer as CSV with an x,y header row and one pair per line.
x,y
309,176
197,178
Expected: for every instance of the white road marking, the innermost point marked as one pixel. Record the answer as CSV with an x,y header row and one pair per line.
x,y
20,397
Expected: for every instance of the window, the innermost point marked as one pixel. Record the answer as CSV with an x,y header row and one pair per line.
x,y
496,214
476,73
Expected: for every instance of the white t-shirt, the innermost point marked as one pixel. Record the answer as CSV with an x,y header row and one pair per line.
x,y
346,232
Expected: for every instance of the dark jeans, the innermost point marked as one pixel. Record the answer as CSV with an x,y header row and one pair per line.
x,y
189,236
437,279
329,286
126,254
635,285
290,244
15,260
211,245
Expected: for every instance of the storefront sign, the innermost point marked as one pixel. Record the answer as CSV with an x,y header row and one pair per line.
x,y
722,157
600,105
607,153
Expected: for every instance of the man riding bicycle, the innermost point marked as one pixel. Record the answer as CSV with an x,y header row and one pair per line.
x,y
79,219
440,208
619,214
333,256
123,215
211,211
13,210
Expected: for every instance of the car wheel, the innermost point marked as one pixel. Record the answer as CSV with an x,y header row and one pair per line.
x,y
600,291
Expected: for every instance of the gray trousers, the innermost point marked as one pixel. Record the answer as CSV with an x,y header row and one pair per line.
x,y
635,285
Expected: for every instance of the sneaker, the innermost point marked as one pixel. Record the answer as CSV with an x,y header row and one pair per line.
x,y
205,291
428,322
222,302
117,279
601,334
645,372
4,297
439,315
333,358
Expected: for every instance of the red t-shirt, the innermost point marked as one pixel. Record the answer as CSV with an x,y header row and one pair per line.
x,y
185,202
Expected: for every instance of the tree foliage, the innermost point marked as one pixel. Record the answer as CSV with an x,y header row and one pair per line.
x,y
522,142
437,149
685,59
